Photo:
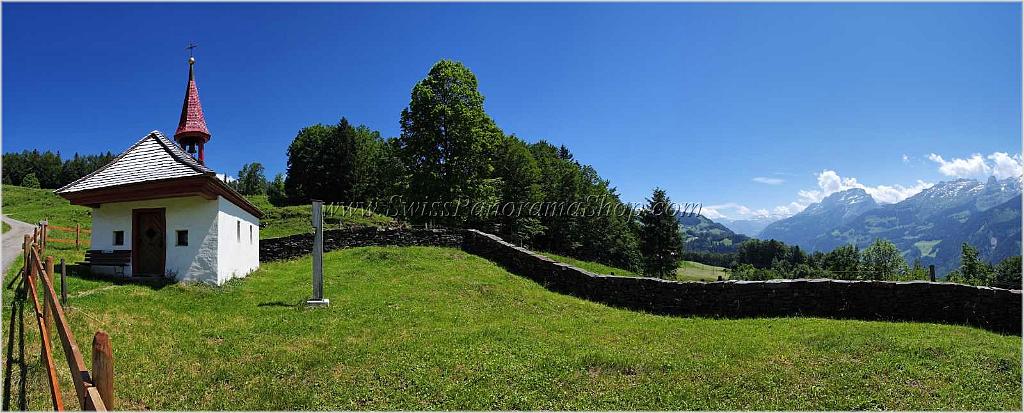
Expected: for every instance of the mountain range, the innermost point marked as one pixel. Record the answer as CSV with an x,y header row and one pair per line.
x,y
930,226
701,234
749,227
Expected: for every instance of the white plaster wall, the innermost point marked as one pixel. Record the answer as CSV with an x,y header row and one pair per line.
x,y
239,255
198,261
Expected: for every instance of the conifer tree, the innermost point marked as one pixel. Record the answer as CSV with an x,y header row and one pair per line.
x,y
660,242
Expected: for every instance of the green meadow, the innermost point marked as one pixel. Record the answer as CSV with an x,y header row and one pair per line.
x,y
438,329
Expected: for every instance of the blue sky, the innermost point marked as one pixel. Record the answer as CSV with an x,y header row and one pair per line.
x,y
744,107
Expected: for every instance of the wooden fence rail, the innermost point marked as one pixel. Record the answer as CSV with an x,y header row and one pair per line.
x,y
95,389
77,230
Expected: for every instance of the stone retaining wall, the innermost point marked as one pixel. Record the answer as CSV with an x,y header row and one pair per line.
x,y
989,308
294,246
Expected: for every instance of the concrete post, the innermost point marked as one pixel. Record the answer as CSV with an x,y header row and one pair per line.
x,y
318,300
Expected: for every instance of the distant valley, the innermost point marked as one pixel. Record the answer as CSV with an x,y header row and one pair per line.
x,y
929,226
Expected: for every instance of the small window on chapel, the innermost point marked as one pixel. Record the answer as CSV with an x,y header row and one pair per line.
x,y
238,231
182,240
118,237
250,233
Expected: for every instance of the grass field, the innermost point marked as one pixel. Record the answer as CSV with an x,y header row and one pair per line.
x,y
927,248
290,220
34,205
687,271
433,328
594,267
695,271
6,227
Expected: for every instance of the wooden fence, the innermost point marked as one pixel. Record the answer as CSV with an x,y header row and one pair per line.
x,y
95,388
81,234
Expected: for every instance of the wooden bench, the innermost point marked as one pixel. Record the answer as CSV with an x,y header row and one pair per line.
x,y
112,258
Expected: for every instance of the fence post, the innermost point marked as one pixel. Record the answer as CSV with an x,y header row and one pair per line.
x,y
63,286
44,231
25,248
78,232
931,272
47,305
103,368
33,272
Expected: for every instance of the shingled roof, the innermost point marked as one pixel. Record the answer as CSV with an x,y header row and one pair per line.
x,y
192,122
152,158
152,168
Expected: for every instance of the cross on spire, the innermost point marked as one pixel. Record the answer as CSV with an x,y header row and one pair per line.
x,y
190,47
192,132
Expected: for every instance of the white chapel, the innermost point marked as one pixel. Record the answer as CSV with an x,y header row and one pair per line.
x,y
157,210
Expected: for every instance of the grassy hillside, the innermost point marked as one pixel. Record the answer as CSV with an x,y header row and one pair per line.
x,y
695,271
432,328
594,267
290,220
687,271
34,205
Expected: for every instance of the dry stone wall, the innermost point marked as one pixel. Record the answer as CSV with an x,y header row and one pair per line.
x,y
989,308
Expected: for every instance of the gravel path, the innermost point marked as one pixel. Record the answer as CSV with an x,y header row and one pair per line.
x,y
12,240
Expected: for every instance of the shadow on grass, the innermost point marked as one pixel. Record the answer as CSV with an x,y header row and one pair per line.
x,y
15,351
277,304
83,272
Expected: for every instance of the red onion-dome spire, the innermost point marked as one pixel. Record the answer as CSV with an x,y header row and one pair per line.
x,y
192,132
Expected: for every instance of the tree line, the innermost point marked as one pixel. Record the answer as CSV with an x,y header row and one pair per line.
x,y
451,150
882,260
35,169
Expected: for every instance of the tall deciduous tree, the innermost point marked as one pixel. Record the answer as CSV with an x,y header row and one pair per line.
x,y
276,193
378,171
883,260
251,180
660,241
447,139
518,183
843,262
972,269
1008,273
320,163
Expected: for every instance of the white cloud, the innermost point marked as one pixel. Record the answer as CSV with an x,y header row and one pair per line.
x,y
768,181
905,158
829,182
1006,166
733,209
999,164
711,213
974,166
226,178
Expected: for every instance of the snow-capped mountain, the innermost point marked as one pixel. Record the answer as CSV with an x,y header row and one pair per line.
x,y
836,209
929,226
